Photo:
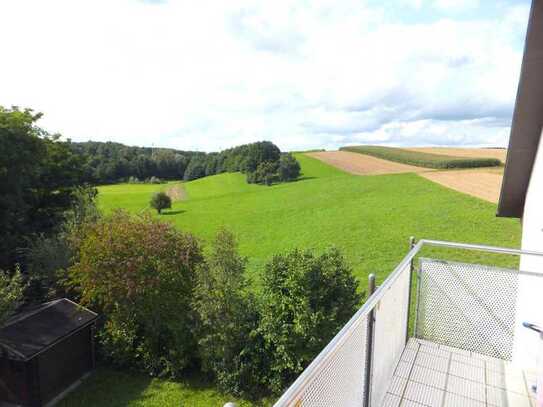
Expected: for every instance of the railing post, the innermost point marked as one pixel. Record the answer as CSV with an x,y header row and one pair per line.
x,y
412,243
369,352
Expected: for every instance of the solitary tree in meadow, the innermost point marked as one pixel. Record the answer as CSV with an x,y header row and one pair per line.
x,y
161,201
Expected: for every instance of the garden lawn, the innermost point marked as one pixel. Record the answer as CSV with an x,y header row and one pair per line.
x,y
110,388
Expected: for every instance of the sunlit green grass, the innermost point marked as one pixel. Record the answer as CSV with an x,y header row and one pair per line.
x,y
370,218
132,197
110,388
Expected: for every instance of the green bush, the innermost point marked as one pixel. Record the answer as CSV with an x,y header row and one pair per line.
x,y
48,257
140,274
306,299
11,294
265,173
289,168
160,201
420,159
228,341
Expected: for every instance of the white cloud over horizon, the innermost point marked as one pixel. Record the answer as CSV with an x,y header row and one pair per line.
x,y
305,74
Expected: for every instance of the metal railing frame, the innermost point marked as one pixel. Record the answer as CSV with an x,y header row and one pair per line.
x,y
290,397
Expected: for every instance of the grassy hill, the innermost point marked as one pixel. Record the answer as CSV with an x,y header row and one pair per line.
x,y
369,217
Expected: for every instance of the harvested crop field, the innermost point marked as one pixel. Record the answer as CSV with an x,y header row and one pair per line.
x,y
361,164
422,159
481,183
498,153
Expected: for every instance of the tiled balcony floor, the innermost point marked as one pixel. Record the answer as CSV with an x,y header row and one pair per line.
x,y
433,375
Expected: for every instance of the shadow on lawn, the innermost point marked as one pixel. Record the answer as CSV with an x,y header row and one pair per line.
x,y
293,181
304,179
107,387
174,212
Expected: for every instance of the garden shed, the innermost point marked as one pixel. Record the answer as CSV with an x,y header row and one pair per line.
x,y
44,350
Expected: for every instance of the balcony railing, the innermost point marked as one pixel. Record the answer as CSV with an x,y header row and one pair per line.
x,y
451,308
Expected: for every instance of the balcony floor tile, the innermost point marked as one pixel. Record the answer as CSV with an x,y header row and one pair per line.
x,y
434,375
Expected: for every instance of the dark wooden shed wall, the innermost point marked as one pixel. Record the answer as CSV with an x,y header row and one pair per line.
x,y
37,381
64,363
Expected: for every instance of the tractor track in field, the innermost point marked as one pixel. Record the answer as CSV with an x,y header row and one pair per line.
x,y
177,193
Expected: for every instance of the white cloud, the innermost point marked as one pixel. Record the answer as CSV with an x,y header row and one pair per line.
x,y
453,5
208,75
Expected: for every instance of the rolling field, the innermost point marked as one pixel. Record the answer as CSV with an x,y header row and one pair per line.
x,y
484,183
360,164
369,217
132,197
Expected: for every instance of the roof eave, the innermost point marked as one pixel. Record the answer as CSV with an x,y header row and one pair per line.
x,y
527,120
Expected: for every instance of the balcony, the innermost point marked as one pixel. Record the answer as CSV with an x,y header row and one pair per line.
x,y
435,333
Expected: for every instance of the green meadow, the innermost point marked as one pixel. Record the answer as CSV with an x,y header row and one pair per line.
x,y
370,218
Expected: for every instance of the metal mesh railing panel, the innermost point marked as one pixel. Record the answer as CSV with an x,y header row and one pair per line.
x,y
391,316
467,306
340,382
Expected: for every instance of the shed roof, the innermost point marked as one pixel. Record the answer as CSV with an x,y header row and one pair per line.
x,y
527,120
35,330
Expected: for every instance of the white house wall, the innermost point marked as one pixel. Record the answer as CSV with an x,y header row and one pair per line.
x,y
530,294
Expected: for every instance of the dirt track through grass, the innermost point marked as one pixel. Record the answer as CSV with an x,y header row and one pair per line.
x,y
361,164
176,192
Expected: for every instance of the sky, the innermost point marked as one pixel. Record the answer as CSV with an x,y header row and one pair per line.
x,y
209,74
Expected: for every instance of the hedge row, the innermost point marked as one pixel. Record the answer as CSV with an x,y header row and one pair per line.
x,y
420,159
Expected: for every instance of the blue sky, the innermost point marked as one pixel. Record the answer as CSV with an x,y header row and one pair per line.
x,y
208,75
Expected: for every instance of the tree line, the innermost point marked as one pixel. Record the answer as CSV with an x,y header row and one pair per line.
x,y
110,162
39,173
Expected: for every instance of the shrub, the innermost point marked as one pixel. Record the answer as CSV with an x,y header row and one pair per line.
x,y
306,300
227,320
289,168
140,273
47,257
161,201
266,173
11,294
421,159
